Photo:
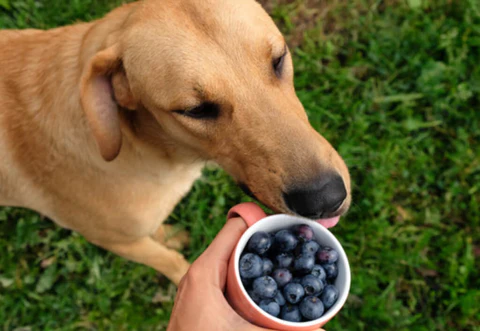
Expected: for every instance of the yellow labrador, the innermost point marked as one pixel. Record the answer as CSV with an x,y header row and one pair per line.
x,y
104,126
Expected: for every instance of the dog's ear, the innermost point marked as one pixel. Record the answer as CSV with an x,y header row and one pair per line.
x,y
104,87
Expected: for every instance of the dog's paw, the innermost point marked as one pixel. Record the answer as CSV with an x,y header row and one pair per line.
x,y
172,237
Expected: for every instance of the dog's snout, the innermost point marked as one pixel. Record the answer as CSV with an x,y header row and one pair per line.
x,y
319,198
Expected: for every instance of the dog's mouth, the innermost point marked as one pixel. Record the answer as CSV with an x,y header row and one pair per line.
x,y
326,222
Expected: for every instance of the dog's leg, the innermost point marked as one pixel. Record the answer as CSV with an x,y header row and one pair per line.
x,y
171,237
151,253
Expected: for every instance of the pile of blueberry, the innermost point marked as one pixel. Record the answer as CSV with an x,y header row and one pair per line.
x,y
289,275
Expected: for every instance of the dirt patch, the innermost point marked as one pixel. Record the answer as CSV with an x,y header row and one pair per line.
x,y
303,15
295,17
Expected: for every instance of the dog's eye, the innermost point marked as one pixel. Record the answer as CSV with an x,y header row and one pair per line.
x,y
206,110
278,63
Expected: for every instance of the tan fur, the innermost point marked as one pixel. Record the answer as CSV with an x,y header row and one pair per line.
x,y
60,123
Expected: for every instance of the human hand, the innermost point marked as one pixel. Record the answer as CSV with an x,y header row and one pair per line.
x,y
200,303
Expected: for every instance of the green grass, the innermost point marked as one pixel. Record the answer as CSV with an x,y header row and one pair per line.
x,y
395,87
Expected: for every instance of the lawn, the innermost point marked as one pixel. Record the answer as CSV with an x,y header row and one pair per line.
x,y
395,86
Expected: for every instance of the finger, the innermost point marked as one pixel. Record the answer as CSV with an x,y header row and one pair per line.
x,y
224,243
213,263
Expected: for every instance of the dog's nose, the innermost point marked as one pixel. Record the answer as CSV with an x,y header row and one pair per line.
x,y
319,198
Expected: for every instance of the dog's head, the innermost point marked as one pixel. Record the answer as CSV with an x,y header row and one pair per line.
x,y
215,79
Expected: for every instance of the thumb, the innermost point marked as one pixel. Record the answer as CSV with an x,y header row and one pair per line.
x,y
224,243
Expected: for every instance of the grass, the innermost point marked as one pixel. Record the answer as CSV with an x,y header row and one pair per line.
x,y
395,86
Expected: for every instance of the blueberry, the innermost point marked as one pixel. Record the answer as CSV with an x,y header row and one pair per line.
x,y
304,263
265,287
319,272
259,243
272,237
270,306
310,247
327,255
296,280
329,296
246,281
331,270
282,277
267,266
284,260
285,241
251,266
311,308
291,313
280,299
254,296
312,285
304,232
293,293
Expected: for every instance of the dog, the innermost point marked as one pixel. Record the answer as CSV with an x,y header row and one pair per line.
x,y
106,125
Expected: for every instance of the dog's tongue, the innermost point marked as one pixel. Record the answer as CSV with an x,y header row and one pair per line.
x,y
329,222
